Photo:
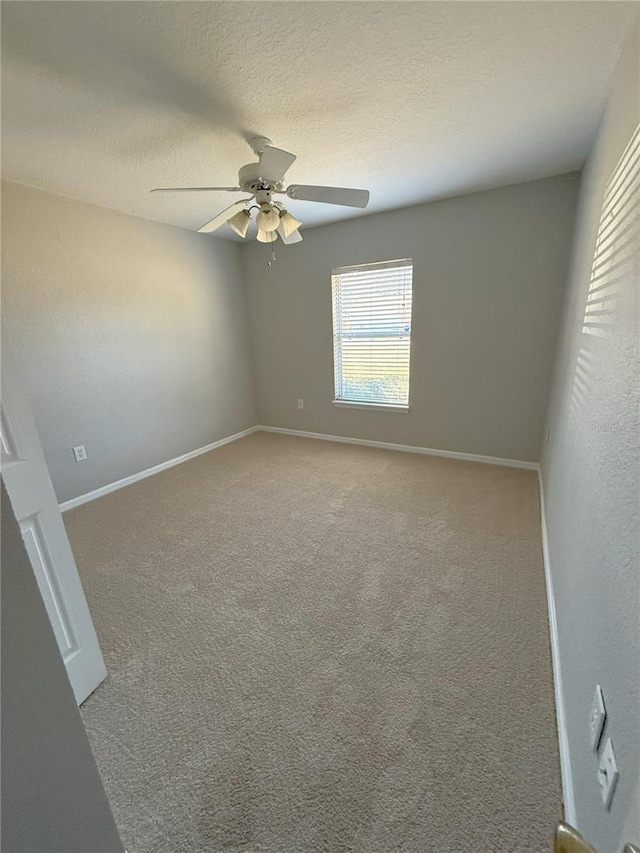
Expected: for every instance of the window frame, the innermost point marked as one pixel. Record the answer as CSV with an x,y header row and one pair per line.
x,y
338,377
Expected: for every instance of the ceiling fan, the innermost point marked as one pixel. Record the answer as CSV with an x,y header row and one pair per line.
x,y
263,180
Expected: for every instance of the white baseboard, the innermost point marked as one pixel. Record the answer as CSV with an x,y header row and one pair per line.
x,y
148,472
428,451
563,741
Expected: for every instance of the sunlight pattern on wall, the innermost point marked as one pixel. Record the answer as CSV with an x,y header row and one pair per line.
x,y
618,243
616,262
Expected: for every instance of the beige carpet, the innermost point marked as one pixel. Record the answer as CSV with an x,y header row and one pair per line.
x,y
320,647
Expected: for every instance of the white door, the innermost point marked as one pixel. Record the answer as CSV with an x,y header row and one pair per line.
x,y
34,502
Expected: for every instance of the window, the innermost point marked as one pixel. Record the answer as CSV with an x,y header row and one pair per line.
x,y
372,334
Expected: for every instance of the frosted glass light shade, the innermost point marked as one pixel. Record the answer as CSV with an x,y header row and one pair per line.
x,y
268,219
289,223
267,236
240,222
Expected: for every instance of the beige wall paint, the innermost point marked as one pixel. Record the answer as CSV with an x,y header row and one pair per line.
x,y
131,335
489,278
592,492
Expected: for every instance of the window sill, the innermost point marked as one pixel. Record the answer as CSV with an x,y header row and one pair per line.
x,y
376,407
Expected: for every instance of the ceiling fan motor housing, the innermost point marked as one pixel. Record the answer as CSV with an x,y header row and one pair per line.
x,y
252,179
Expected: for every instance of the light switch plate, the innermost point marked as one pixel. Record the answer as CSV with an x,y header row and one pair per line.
x,y
79,453
597,718
607,773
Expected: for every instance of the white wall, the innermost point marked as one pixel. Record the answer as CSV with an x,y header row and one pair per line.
x,y
592,491
489,278
131,335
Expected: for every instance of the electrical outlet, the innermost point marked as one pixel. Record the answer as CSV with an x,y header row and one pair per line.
x,y
597,717
607,773
80,453
301,404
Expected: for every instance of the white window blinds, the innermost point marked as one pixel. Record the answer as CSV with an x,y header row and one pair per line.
x,y
372,333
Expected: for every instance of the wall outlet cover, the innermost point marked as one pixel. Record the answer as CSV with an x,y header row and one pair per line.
x,y
597,717
79,453
608,773
300,403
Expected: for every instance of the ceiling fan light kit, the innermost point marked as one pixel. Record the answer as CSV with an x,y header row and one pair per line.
x,y
263,179
294,237
266,236
240,222
288,223
268,218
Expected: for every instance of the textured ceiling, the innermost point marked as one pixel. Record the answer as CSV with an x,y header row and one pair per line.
x,y
102,101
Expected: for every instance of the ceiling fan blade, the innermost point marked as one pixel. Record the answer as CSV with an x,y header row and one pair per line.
x,y
221,218
196,190
274,162
329,195
294,237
